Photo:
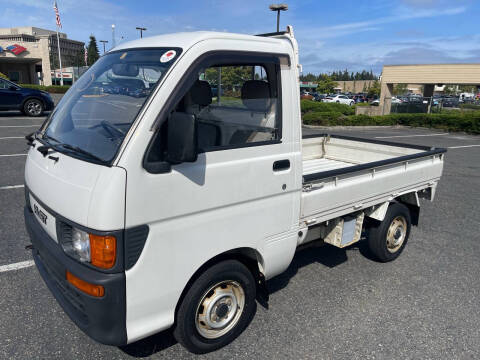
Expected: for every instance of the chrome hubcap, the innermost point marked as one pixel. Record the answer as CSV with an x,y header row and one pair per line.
x,y
220,309
34,107
396,234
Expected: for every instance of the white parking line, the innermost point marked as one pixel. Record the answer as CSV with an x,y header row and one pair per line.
x,y
14,155
464,146
8,187
12,137
16,266
15,126
407,136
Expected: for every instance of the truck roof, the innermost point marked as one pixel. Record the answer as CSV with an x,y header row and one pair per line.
x,y
185,40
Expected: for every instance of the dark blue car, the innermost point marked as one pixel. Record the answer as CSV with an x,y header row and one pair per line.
x,y
29,101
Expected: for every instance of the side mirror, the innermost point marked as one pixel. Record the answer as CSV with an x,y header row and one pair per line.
x,y
13,88
182,138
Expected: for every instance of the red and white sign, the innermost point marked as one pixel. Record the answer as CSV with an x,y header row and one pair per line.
x,y
57,75
15,48
169,55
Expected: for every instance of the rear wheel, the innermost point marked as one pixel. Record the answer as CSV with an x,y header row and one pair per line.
x,y
33,107
217,308
387,239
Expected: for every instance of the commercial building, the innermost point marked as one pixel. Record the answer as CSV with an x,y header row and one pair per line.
x,y
29,54
429,78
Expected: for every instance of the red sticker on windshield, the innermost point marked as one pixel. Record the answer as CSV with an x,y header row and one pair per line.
x,y
169,55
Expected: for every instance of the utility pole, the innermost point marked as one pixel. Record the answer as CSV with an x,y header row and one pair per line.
x,y
103,42
142,29
278,8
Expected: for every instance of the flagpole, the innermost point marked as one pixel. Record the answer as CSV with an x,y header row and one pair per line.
x,y
59,59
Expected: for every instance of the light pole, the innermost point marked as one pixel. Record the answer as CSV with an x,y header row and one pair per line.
x,y
278,8
142,29
113,36
103,42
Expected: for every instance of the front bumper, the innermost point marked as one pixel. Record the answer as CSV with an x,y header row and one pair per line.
x,y
103,319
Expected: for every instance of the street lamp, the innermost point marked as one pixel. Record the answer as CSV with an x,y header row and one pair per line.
x,y
278,8
103,42
113,36
142,29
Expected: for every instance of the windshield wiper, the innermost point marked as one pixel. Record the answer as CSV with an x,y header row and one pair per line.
x,y
31,137
44,149
81,151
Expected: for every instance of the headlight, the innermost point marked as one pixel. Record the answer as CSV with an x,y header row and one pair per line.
x,y
79,245
98,250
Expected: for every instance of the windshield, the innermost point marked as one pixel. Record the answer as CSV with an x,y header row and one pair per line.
x,y
97,112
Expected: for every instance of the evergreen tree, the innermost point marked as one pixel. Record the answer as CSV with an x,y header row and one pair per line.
x,y
374,90
92,51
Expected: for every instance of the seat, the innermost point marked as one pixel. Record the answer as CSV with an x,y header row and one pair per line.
x,y
197,100
256,95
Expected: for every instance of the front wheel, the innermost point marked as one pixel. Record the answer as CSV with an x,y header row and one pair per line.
x,y
388,239
33,107
217,308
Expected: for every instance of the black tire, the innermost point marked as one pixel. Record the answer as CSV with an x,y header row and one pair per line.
x,y
186,331
398,220
33,107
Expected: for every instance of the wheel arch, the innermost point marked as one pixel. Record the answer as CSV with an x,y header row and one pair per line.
x,y
249,257
30,97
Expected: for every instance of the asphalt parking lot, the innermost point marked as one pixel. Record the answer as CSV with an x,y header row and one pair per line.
x,y
329,304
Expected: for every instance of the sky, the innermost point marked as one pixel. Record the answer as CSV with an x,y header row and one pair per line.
x,y
332,35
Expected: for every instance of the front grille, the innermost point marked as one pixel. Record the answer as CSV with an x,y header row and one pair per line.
x,y
64,232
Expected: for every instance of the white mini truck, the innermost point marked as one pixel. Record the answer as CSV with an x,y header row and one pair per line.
x,y
172,181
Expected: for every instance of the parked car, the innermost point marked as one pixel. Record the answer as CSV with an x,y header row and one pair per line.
x,y
450,101
320,97
359,98
306,96
342,99
31,102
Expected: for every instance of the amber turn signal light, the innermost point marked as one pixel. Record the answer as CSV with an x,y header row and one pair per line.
x,y
86,287
103,251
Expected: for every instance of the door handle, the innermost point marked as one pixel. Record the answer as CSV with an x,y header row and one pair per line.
x,y
280,165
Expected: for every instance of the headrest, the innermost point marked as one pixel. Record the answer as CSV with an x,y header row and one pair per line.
x,y
201,93
256,95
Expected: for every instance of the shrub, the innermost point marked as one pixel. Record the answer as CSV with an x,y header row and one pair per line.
x,y
3,76
470,106
316,106
322,118
54,89
455,121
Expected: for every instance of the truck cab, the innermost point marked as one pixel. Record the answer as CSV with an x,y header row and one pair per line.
x,y
172,181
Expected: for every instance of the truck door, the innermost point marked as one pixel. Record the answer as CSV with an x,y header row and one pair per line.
x,y
239,193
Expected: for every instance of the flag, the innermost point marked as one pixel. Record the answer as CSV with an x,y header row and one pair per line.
x,y
57,15
16,49
86,56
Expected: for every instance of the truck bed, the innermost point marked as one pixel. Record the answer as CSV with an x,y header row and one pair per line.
x,y
345,174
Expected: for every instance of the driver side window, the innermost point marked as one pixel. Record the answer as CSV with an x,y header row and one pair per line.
x,y
234,105
235,100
